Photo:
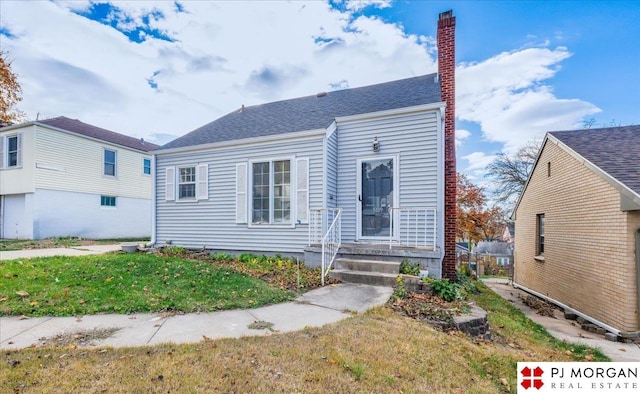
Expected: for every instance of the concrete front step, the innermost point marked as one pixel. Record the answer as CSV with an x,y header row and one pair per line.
x,y
387,267
367,278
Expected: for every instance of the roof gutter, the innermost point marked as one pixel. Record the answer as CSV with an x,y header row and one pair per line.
x,y
624,334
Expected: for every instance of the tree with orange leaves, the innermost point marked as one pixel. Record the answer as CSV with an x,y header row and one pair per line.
x,y
10,93
474,221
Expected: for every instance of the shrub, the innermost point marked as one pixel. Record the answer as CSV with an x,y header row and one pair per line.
x,y
447,290
408,267
222,256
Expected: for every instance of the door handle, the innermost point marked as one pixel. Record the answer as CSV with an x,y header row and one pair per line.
x,y
360,197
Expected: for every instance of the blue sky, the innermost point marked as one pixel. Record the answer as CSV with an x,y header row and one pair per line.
x,y
161,69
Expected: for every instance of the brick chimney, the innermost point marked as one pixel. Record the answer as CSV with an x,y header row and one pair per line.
x,y
446,72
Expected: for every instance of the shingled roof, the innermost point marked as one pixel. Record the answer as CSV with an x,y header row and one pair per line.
x,y
312,112
615,150
78,127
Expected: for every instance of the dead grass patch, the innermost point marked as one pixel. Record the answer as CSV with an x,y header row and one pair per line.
x,y
80,338
380,351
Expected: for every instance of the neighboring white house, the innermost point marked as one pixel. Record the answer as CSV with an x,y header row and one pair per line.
x,y
62,177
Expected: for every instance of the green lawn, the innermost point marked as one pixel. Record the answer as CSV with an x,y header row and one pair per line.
x,y
126,283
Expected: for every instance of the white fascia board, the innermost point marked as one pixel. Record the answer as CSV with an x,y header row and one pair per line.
x,y
245,141
392,112
17,126
103,142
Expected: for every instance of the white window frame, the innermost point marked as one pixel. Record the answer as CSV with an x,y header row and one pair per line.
x,y
144,167
115,162
292,180
195,183
4,151
115,201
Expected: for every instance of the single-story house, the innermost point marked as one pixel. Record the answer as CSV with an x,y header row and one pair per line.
x,y
578,226
62,177
365,165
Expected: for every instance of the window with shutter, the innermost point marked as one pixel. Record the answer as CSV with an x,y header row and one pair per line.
x,y
302,190
241,193
203,182
170,184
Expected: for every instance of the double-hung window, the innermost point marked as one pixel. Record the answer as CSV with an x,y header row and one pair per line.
x,y
186,183
12,151
146,166
109,162
271,192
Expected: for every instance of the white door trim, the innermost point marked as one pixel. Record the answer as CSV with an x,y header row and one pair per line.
x,y
358,196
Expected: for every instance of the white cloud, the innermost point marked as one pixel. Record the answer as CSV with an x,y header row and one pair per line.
x,y
225,54
358,5
507,97
478,160
461,135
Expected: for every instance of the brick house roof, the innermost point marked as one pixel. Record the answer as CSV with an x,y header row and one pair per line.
x,y
313,112
78,127
615,150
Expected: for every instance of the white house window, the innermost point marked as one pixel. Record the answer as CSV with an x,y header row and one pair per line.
x,y
271,192
107,201
146,166
186,183
109,162
503,261
13,151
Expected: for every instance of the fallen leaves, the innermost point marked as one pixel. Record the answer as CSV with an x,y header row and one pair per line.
x,y
22,293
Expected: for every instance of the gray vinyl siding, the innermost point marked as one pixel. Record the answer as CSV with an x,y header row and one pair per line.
x,y
211,223
414,138
332,170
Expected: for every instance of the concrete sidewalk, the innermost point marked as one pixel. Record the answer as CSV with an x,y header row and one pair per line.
x,y
563,329
313,309
72,251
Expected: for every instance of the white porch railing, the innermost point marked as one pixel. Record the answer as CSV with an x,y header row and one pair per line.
x,y
329,237
416,227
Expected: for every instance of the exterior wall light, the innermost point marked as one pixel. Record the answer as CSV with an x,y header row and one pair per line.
x,y
376,144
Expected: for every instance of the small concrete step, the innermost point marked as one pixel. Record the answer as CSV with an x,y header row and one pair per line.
x,y
387,267
367,278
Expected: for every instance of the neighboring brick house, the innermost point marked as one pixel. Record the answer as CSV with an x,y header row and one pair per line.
x,y
63,177
578,226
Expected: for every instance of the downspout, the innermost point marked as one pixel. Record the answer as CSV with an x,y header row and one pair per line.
x,y
154,209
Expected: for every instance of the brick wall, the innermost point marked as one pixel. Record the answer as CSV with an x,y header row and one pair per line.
x,y
589,258
446,72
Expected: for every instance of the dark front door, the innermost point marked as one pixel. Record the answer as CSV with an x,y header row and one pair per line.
x,y
376,197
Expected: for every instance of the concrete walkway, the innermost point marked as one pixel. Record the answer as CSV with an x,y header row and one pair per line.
x,y
313,309
563,329
316,308
71,251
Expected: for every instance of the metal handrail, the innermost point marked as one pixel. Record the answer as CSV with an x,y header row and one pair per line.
x,y
418,225
332,238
